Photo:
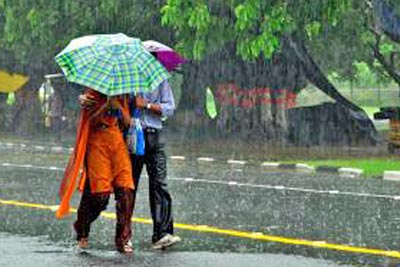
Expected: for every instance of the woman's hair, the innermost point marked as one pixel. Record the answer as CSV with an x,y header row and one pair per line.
x,y
154,54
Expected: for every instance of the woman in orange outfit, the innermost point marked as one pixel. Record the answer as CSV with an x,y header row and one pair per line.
x,y
101,153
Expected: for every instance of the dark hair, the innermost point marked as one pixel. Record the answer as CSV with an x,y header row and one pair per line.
x,y
154,54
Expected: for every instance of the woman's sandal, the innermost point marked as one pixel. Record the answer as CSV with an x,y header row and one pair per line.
x,y
126,249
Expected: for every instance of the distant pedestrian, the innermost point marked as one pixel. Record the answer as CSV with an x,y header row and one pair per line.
x,y
56,106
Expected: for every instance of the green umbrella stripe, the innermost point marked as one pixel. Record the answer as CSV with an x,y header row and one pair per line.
x,y
95,71
75,60
155,75
66,63
129,54
153,67
150,69
124,73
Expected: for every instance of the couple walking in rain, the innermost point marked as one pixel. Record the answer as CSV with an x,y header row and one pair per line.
x,y
127,93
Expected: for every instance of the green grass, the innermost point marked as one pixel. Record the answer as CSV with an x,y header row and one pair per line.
x,y
372,167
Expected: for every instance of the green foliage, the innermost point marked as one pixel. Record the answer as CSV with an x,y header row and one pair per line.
x,y
336,31
386,49
313,29
260,31
32,32
255,26
391,51
194,18
364,77
109,8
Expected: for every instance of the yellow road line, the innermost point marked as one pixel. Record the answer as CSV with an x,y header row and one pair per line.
x,y
235,233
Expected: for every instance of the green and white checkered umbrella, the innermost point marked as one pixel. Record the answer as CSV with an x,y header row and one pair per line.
x,y
112,64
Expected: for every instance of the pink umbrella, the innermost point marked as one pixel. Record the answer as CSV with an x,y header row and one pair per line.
x,y
165,54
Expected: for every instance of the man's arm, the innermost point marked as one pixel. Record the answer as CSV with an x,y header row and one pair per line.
x,y
166,106
141,103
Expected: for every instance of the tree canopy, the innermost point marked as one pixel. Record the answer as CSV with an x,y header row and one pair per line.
x,y
225,38
255,26
337,33
32,32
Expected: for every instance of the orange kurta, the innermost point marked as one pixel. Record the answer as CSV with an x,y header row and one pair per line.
x,y
107,161
100,152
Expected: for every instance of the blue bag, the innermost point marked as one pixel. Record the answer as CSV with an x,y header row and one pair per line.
x,y
139,138
135,136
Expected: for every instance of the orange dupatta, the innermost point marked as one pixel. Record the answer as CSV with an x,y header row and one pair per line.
x,y
76,161
75,164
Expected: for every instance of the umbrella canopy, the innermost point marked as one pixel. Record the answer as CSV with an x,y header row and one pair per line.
x,y
112,64
11,82
165,54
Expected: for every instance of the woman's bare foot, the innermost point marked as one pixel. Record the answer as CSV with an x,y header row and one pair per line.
x,y
83,243
126,249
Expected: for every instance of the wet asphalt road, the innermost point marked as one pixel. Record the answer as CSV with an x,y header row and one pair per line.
x,y
295,205
32,251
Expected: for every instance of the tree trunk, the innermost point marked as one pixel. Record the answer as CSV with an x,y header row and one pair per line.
x,y
253,97
389,67
328,124
387,18
315,75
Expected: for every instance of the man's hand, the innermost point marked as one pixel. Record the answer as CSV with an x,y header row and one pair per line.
x,y
143,104
86,100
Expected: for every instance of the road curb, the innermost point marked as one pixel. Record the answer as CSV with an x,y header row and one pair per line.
x,y
345,172
287,166
327,169
350,172
302,167
391,175
270,165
